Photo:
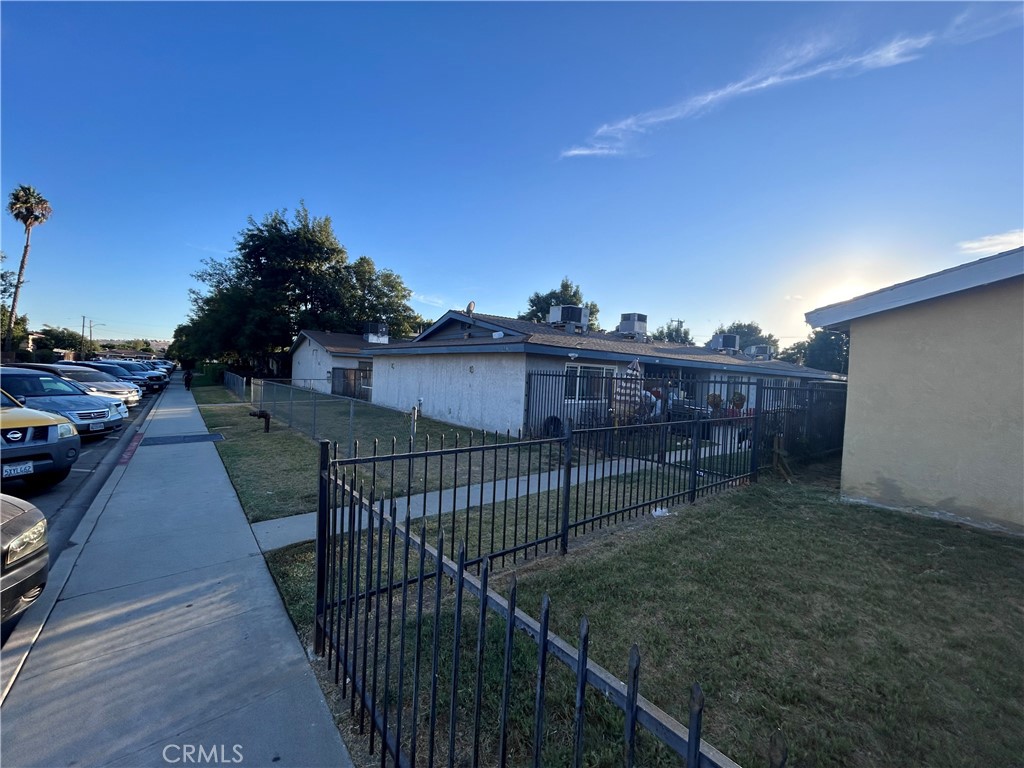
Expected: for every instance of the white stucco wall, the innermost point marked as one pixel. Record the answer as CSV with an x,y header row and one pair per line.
x,y
312,365
480,391
935,413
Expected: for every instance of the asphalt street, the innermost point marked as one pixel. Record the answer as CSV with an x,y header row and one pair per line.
x,y
65,503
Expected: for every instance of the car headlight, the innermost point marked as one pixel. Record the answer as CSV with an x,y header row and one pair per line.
x,y
24,545
66,430
112,412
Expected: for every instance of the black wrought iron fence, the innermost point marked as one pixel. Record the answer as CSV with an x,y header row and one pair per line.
x,y
510,498
442,669
808,419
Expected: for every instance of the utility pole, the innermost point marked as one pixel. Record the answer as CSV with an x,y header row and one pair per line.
x,y
91,326
81,353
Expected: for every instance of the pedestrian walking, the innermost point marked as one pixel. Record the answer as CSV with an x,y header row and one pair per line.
x,y
188,379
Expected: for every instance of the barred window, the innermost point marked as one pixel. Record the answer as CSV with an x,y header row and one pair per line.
x,y
587,382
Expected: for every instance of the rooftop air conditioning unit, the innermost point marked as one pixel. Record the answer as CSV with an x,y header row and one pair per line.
x,y
376,333
725,341
633,323
766,351
568,314
576,317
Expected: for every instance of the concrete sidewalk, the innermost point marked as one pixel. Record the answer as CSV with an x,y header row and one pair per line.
x,y
163,637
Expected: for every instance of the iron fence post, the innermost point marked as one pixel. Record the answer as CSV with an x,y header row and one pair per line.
x,y
351,428
695,438
566,484
694,727
632,692
321,547
755,430
312,432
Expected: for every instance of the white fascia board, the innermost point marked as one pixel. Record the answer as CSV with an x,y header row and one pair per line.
x,y
992,269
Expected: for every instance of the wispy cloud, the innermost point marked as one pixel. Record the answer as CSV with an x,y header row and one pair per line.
x,y
808,60
985,246
208,249
977,23
430,301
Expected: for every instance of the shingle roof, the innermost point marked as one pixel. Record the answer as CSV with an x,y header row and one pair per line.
x,y
335,343
539,335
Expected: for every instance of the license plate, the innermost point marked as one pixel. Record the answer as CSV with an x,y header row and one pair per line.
x,y
20,468
96,427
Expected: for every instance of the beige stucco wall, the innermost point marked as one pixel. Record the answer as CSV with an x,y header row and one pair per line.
x,y
935,416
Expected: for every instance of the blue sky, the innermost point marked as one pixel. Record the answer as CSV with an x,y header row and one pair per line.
x,y
696,161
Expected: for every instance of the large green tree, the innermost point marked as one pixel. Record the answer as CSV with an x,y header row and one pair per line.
x,y
566,294
749,334
287,274
65,339
30,209
674,330
824,350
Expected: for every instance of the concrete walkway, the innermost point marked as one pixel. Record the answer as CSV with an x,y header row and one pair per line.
x,y
273,534
161,637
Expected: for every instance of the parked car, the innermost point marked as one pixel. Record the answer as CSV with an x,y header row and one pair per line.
x,y
119,373
25,556
156,377
92,381
36,446
92,416
114,400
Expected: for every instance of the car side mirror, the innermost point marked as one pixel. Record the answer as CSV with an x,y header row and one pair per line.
x,y
21,399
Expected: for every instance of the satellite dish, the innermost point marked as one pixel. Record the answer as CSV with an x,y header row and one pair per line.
x,y
470,307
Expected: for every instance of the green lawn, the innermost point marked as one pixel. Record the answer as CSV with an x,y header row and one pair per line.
x,y
871,637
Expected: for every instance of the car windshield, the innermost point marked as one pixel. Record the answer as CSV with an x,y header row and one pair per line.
x,y
116,370
88,375
41,385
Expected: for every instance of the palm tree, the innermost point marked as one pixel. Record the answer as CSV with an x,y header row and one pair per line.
x,y
30,208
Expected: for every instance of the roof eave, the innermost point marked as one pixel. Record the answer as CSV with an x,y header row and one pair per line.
x,y
992,269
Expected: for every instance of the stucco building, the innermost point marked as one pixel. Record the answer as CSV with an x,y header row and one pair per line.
x,y
485,371
935,409
335,363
